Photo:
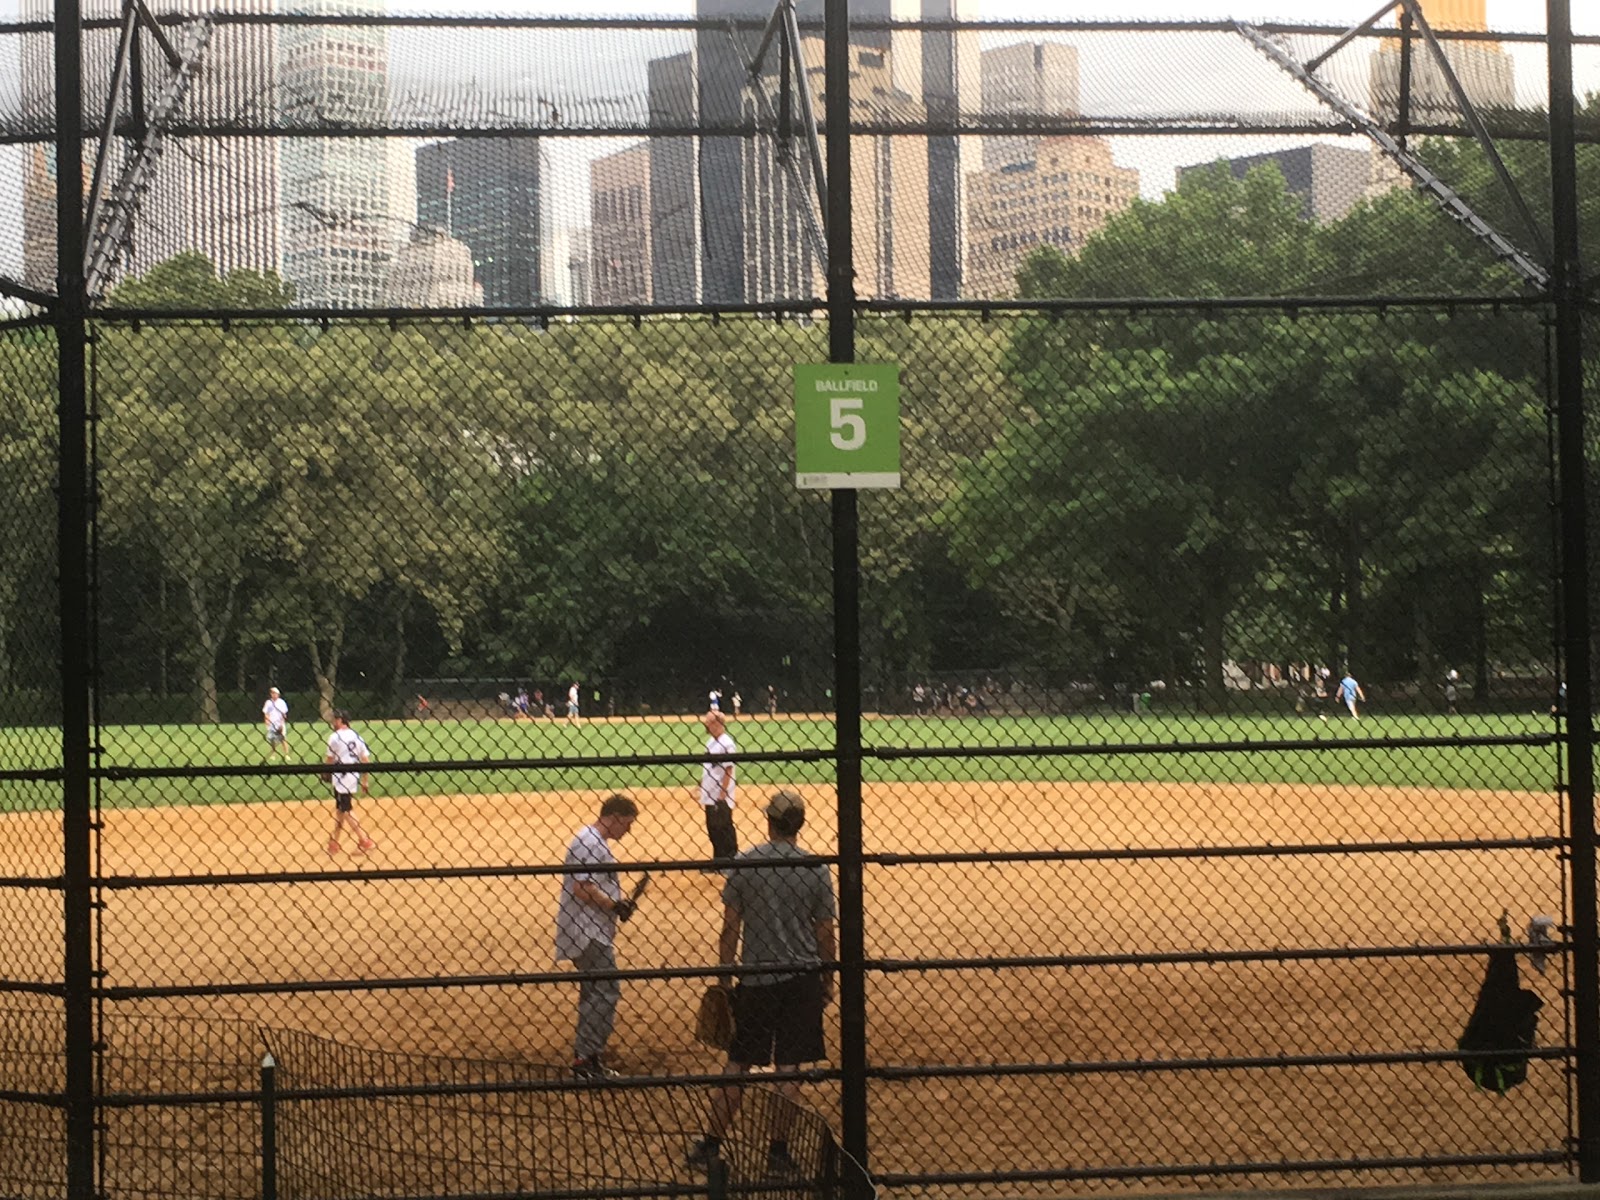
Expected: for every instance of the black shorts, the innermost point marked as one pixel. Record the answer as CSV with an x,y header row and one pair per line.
x,y
778,1023
344,801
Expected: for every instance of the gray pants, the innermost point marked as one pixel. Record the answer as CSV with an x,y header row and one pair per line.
x,y
597,1000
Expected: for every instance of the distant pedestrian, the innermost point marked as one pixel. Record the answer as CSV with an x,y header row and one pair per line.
x,y
1350,692
275,721
572,703
772,700
714,700
717,787
424,710
346,749
738,704
1451,691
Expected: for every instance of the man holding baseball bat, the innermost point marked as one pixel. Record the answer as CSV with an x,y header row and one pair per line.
x,y
592,906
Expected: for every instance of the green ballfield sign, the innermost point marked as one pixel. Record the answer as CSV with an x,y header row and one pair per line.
x,y
847,425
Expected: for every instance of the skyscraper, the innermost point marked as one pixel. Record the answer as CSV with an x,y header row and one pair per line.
x,y
1484,69
338,235
1328,179
1024,82
1060,196
889,178
490,193
935,71
218,196
619,227
674,183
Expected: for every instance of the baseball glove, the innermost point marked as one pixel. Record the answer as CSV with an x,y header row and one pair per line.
x,y
713,1024
326,777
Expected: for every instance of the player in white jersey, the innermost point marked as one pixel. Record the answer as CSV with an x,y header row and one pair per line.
x,y
275,720
346,749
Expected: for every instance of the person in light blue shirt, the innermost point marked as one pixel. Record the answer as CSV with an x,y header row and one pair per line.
x,y
1349,692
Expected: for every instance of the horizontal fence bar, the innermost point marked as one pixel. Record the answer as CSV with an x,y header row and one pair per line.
x,y
564,1083
568,1083
119,774
882,966
506,871
1286,850
1285,1166
26,987
1249,746
756,25
686,866
1117,304
891,966
1520,131
125,774
775,308
1159,1066
44,1099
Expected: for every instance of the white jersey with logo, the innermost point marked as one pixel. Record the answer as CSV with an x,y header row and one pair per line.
x,y
347,749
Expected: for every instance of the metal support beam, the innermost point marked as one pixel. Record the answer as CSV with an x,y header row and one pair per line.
x,y
808,114
1524,264
1572,459
1349,36
112,228
1479,130
72,612
853,1063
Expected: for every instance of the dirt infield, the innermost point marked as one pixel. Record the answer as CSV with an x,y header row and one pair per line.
x,y
414,928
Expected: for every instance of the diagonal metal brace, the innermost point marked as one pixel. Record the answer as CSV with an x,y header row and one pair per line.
x,y
1532,272
113,221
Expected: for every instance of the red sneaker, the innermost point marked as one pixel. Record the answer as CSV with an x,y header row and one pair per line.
x,y
333,847
365,844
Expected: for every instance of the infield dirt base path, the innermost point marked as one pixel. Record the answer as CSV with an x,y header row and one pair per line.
x,y
413,928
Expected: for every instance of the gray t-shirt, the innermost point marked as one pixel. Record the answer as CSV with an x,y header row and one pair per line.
x,y
577,923
780,907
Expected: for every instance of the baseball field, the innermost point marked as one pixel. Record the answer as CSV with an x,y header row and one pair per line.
x,y
1314,950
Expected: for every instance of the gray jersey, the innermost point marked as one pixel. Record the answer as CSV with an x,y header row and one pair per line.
x,y
780,907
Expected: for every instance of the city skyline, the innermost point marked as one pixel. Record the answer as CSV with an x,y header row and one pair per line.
x,y
568,201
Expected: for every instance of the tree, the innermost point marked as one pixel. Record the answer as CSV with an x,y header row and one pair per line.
x,y
27,470
182,447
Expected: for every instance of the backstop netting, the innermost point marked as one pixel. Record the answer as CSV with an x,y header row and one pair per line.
x,y
1179,736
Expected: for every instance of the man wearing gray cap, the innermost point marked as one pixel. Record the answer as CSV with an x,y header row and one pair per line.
x,y
785,913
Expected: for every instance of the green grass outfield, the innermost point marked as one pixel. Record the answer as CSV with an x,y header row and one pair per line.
x,y
1336,760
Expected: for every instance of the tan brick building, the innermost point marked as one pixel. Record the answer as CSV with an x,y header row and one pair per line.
x,y
619,224
1059,198
889,182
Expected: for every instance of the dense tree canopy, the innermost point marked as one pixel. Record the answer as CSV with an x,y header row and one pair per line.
x,y
1113,495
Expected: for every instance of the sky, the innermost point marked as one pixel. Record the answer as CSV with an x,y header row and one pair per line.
x,y
1157,158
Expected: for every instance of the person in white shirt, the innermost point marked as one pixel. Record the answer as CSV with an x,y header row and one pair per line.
x,y
587,916
572,704
275,719
346,749
717,788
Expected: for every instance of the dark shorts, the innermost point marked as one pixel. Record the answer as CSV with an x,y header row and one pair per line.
x,y
344,801
778,1023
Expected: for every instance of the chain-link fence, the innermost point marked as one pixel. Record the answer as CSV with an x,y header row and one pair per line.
x,y
1171,781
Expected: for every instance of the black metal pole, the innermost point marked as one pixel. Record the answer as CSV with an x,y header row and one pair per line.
x,y
72,545
1567,289
1403,121
269,1128
846,618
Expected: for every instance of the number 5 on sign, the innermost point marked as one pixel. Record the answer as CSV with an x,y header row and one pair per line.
x,y
847,425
